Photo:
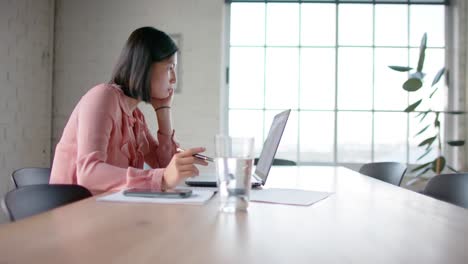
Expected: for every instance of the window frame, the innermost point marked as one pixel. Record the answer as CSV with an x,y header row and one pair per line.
x,y
225,95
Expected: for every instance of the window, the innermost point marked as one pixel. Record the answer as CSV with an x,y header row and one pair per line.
x,y
328,62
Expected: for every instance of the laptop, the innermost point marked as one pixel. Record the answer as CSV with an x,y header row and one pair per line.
x,y
265,161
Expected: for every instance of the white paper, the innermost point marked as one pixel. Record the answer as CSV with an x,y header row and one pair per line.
x,y
198,197
287,196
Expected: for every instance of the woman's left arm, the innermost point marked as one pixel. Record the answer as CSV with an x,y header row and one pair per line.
x,y
163,115
162,149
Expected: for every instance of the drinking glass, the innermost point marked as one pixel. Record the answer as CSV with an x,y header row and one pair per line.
x,y
234,162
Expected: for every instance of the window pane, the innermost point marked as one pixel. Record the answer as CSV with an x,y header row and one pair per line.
x,y
355,24
391,25
317,78
273,72
430,19
246,87
389,93
434,61
247,24
355,78
282,74
283,24
390,137
354,137
318,24
288,145
415,126
317,133
247,123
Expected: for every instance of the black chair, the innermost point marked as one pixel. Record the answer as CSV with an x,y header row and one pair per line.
x,y
29,176
34,199
279,162
452,188
390,172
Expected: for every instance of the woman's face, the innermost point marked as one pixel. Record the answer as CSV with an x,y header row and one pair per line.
x,y
163,77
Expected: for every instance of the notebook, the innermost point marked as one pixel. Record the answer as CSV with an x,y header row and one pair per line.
x,y
270,146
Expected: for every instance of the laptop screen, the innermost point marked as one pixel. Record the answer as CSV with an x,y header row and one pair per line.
x,y
271,145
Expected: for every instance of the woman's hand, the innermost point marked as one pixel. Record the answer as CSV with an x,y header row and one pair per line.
x,y
182,166
158,102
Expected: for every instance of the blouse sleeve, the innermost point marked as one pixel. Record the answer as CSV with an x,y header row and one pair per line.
x,y
160,150
95,125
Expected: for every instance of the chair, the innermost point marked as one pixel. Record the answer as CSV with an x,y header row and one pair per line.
x,y
452,188
29,176
279,162
34,199
390,172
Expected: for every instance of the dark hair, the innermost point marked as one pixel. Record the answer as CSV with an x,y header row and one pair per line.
x,y
144,47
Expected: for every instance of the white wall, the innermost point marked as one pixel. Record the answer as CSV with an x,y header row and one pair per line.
x,y
90,35
25,86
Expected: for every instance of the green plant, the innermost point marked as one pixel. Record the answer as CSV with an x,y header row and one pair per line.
x,y
412,84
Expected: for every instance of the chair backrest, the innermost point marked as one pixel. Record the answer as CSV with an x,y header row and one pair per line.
x,y
30,176
34,199
452,188
390,172
279,162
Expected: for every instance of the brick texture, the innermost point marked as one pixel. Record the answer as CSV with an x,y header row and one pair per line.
x,y
25,86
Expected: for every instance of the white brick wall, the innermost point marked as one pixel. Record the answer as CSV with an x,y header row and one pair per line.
x,y
25,86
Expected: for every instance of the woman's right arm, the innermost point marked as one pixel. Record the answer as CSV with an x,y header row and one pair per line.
x,y
95,130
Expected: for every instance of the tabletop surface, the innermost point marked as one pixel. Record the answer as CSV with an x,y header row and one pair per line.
x,y
363,221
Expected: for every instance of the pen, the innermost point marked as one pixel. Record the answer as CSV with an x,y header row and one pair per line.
x,y
203,157
200,156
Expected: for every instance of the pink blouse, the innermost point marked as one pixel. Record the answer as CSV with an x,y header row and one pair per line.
x,y
104,145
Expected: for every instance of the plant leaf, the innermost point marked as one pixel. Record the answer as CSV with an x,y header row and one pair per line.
x,y
422,131
441,161
438,76
420,113
412,84
433,92
427,141
422,166
400,68
456,143
452,169
413,106
436,121
422,172
424,115
425,154
422,53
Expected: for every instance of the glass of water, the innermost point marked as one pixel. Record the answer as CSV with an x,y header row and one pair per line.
x,y
234,162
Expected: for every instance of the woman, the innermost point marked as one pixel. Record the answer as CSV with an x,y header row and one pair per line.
x,y
106,140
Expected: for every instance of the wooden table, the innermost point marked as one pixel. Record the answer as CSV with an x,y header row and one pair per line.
x,y
364,221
